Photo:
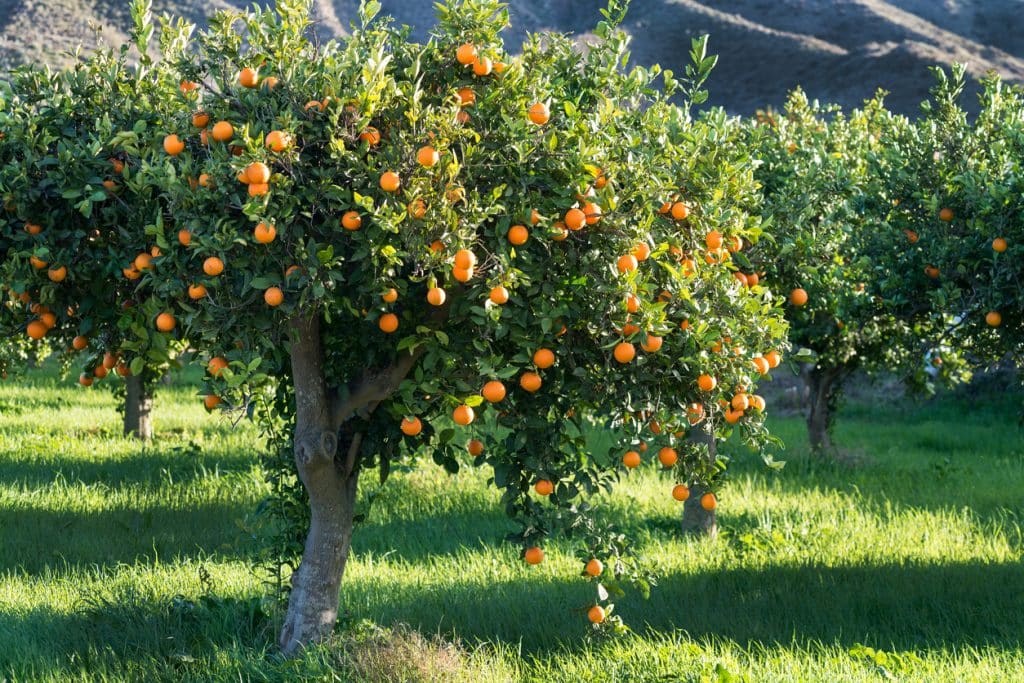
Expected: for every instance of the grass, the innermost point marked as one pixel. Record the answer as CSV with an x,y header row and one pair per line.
x,y
122,562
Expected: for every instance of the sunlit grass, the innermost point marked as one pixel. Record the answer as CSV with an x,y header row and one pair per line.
x,y
123,562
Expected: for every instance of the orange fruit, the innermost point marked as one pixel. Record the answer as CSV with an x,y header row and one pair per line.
x,y
173,145
370,136
258,173
313,104
757,403
592,212
530,381
539,113
740,402
258,190
466,54
33,228
575,219
631,459
596,614
85,380
143,261
798,297
200,119
668,456
627,263
278,141
932,272
37,262
632,302
37,329
641,251
411,426
680,211
467,98
543,358
946,215
57,274
80,343
216,365
213,266
707,383
499,295
465,259
732,416
999,244
534,555
680,492
436,296
494,391
390,182
165,322
49,319
482,66
100,372
544,487
761,364
624,352
427,156
463,415
462,274
912,236
248,77
713,240
518,234
594,567
205,180
652,344
210,402
184,238
270,82
264,233
994,318
388,323
110,360
417,208
708,501
475,447
390,295
223,131
196,291
273,296
351,220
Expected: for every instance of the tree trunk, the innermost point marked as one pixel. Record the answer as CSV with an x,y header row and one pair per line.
x,y
821,386
696,520
313,604
138,404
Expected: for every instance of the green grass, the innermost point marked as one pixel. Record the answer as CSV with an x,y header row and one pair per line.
x,y
119,562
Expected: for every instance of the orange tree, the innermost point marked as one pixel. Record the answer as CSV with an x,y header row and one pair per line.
x,y
79,224
840,250
395,249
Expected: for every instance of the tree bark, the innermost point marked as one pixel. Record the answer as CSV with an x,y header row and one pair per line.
x,y
821,385
138,405
696,520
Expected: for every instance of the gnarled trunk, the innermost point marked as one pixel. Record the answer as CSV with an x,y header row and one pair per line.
x,y
696,520
138,405
821,383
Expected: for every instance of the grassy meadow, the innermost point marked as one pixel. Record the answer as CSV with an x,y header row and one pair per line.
x,y
130,563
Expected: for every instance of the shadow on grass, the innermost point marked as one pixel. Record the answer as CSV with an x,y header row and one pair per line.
x,y
34,540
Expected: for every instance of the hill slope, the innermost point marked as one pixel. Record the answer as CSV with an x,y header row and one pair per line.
x,y
838,50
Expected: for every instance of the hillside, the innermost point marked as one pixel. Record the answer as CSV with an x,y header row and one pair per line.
x,y
838,50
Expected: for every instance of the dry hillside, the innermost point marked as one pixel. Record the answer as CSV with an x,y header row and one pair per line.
x,y
838,50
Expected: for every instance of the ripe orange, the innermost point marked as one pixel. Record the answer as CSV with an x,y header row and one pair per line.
x,y
465,259
467,98
417,208
466,54
462,274
270,82
37,262
596,614
184,237
932,272
37,329
624,352
713,240
798,297
575,219
213,266
411,426
518,234
732,416
436,296
632,302
641,251
85,380
626,263
594,567
173,145
592,212
912,236
110,360
388,323
774,358
708,501
210,402
223,131
539,113
351,220
79,343
668,456
165,322
33,228
258,190
530,381
499,295
475,447
200,119
757,403
57,274
544,487
740,402
143,261
680,211
946,215
48,319
196,291
631,459
994,318
680,492
264,233
999,244
483,66
494,391
761,364
390,295
534,555
427,156
707,383
248,77
278,141
652,344
273,296
100,372
463,415
370,135
390,182
543,358
258,173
